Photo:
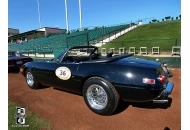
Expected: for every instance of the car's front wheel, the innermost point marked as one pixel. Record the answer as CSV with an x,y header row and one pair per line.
x,y
100,96
31,81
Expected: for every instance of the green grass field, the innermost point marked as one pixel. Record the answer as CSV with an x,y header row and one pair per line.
x,y
34,122
163,34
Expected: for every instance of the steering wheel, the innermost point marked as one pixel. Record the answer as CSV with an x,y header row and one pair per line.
x,y
94,56
70,59
91,56
109,54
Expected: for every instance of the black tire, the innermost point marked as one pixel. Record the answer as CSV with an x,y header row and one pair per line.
x,y
34,84
109,96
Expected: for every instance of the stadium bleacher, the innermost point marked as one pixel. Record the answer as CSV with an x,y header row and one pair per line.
x,y
59,41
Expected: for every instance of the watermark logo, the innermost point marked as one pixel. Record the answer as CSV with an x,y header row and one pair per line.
x,y
20,116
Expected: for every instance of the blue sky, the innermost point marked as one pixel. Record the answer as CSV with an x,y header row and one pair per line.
x,y
23,14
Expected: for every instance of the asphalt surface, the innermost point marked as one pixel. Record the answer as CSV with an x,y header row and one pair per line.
x,y
67,111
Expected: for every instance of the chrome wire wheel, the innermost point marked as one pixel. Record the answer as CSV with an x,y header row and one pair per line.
x,y
29,79
97,97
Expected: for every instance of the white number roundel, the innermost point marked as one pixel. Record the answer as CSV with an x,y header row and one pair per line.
x,y
63,73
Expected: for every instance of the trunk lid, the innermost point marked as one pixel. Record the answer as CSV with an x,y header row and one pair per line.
x,y
138,62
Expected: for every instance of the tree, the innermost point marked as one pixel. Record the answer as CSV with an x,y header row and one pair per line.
x,y
85,28
149,22
176,18
96,28
172,18
167,18
162,20
132,23
154,20
180,16
139,20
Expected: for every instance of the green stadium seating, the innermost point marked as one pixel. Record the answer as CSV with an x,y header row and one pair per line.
x,y
59,41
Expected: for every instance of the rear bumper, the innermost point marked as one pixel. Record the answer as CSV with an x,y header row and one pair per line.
x,y
163,98
168,90
143,94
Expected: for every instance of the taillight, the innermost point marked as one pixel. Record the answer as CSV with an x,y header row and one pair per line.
x,y
148,81
161,78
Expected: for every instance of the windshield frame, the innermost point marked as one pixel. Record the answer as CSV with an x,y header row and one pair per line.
x,y
63,54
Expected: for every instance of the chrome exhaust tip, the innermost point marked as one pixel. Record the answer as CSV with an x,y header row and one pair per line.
x,y
160,101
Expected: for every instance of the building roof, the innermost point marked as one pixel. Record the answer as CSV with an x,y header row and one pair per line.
x,y
24,34
32,32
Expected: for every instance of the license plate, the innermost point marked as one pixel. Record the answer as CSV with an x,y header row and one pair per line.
x,y
19,62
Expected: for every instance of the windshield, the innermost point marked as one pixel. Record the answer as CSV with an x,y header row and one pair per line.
x,y
75,52
60,55
12,53
80,52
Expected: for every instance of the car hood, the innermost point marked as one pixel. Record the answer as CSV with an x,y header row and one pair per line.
x,y
138,62
17,57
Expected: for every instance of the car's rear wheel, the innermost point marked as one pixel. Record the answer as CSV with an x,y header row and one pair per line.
x,y
100,96
31,81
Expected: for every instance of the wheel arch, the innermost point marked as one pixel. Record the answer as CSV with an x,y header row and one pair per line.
x,y
24,71
88,77
113,98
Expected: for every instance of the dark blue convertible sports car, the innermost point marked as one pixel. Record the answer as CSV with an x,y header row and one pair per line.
x,y
102,80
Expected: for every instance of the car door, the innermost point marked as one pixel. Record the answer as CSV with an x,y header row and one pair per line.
x,y
60,75
66,77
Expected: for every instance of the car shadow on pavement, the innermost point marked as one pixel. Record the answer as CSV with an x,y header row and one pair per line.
x,y
43,87
122,106
148,105
151,105
166,128
67,91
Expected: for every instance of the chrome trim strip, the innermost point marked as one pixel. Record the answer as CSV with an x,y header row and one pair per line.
x,y
160,101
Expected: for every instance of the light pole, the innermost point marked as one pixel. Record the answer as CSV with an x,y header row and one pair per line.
x,y
66,14
39,12
80,13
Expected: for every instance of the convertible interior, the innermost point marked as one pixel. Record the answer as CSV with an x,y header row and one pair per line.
x,y
89,54
91,57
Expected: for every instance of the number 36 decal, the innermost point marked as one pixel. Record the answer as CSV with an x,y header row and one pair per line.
x,y
63,73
